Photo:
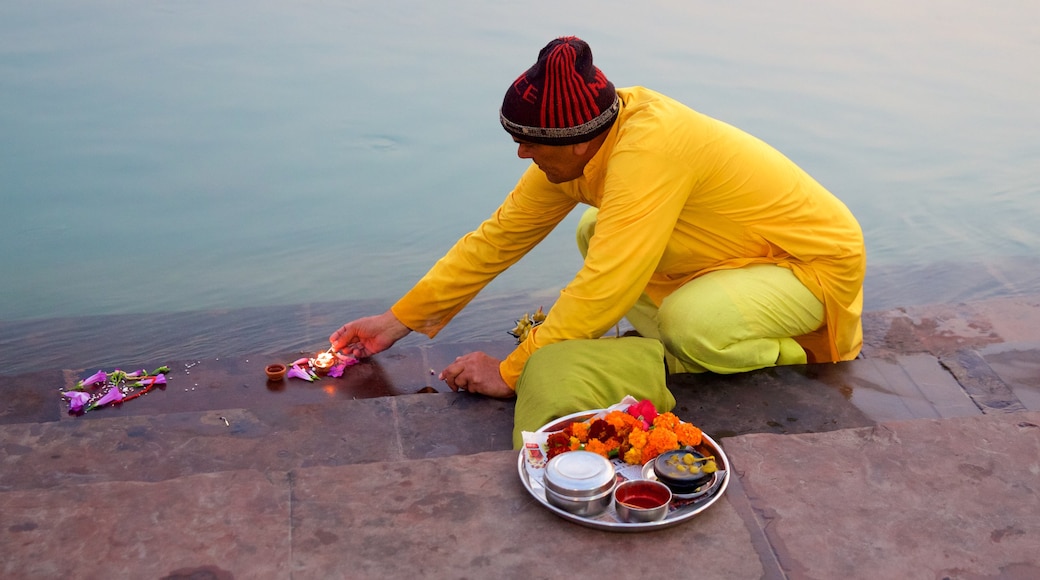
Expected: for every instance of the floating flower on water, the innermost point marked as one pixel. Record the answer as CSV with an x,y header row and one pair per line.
x,y
298,372
113,395
94,379
77,399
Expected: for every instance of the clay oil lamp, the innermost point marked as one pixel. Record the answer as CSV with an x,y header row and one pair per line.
x,y
323,361
276,371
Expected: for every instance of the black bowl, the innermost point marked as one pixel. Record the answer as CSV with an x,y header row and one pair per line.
x,y
679,473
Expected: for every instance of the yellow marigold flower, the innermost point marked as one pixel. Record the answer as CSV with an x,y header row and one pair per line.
x,y
634,456
575,443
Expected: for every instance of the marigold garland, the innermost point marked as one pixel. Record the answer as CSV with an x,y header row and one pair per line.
x,y
620,434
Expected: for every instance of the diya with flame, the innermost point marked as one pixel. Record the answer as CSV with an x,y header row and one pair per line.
x,y
323,361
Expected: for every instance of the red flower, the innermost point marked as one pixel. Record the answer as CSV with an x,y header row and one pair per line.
x,y
558,442
644,411
600,429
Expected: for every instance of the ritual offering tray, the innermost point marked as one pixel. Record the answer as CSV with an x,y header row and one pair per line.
x,y
704,460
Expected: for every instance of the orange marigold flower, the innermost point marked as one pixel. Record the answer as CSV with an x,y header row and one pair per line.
x,y
575,443
666,420
597,446
623,422
658,441
688,434
581,431
637,438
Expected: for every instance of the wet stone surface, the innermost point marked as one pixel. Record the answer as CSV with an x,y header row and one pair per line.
x,y
232,475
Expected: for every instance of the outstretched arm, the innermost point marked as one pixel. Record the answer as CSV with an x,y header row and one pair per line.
x,y
365,337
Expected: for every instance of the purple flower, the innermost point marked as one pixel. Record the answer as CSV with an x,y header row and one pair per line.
x,y
296,372
113,395
94,379
149,381
76,400
337,370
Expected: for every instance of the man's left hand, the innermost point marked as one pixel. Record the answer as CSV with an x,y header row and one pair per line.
x,y
477,372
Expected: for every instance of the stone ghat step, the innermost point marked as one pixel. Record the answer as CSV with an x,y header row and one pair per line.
x,y
163,446
843,504
160,436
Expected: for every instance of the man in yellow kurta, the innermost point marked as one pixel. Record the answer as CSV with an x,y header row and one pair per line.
x,y
708,240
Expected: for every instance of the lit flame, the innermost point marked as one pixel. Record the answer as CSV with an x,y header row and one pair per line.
x,y
324,360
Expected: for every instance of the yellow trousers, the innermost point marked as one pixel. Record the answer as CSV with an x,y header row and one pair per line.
x,y
727,321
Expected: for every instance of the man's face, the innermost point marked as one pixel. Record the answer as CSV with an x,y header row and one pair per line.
x,y
560,163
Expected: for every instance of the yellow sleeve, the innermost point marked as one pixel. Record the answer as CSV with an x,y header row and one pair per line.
x,y
523,220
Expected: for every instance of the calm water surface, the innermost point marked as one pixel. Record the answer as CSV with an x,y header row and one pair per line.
x,y
182,156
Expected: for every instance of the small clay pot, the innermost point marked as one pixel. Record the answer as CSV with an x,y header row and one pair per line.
x,y
276,371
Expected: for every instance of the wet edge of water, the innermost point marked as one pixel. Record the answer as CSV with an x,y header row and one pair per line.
x,y
146,340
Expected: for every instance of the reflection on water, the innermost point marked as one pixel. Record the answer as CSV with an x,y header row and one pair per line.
x,y
161,157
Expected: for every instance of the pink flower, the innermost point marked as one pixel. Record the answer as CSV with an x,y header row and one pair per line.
x,y
296,372
94,379
344,362
337,370
149,381
76,400
300,362
644,411
113,395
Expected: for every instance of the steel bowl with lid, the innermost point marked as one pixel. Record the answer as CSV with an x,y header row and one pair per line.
x,y
580,482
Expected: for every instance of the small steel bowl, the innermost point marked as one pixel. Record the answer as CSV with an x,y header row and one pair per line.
x,y
641,501
679,476
580,482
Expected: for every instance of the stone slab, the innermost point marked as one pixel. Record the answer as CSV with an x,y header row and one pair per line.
x,y
951,498
32,397
470,517
1018,365
796,399
170,445
227,525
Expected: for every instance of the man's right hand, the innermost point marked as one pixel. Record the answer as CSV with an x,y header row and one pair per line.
x,y
365,337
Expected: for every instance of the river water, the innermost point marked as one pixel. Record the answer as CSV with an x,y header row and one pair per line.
x,y
169,166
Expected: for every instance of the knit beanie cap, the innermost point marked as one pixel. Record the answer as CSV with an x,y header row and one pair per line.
x,y
563,99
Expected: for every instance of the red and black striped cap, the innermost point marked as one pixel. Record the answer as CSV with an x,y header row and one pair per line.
x,y
563,99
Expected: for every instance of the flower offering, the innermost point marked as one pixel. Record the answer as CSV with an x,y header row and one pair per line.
x,y
634,435
103,388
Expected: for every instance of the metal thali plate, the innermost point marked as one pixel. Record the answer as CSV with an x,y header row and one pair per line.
x,y
681,509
